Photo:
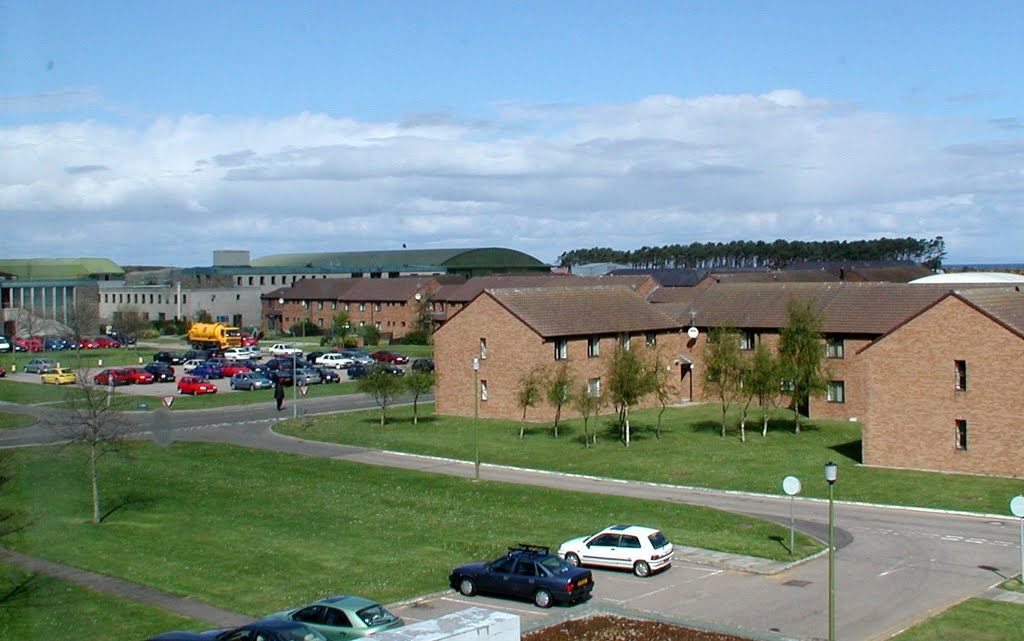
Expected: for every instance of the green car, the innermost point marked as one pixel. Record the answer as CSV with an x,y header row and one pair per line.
x,y
343,617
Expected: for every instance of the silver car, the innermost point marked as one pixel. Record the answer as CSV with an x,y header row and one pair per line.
x,y
306,376
40,366
250,381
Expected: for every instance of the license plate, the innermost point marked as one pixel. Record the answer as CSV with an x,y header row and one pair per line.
x,y
583,582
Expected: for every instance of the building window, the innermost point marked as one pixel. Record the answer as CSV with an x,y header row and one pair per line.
x,y
594,387
345,307
834,348
320,322
362,307
593,347
334,304
624,341
961,375
250,281
652,339
376,307
483,348
561,349
377,325
747,339
483,390
836,392
319,304
961,434
263,280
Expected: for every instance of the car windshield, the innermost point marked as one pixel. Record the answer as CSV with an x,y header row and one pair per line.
x,y
658,540
376,615
555,565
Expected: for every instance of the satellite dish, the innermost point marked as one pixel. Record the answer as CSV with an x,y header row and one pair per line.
x,y
1017,506
418,296
281,300
693,332
791,485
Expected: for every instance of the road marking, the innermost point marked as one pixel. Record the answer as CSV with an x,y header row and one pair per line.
x,y
946,538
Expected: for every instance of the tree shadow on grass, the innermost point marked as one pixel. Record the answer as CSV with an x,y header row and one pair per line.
x,y
128,500
852,450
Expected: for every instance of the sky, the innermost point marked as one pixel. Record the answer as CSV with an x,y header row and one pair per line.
x,y
153,133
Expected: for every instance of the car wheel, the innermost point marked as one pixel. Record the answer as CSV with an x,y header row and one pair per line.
x,y
642,568
572,559
467,587
542,599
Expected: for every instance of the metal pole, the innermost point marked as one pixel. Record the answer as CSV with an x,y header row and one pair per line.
x,y
476,421
792,525
295,391
1020,579
831,568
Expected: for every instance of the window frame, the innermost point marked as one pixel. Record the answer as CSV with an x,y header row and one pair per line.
x,y
960,375
594,347
833,387
835,347
561,349
960,442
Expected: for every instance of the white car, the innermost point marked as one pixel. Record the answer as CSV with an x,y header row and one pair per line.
x,y
641,549
285,349
237,354
335,360
191,364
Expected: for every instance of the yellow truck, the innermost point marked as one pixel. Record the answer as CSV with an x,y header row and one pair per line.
x,y
214,336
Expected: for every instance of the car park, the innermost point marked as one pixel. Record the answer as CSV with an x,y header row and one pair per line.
x,y
359,370
358,356
343,617
195,385
28,345
5,344
388,356
250,381
422,365
139,375
335,360
172,358
162,372
112,377
60,377
307,376
642,550
528,572
40,366
261,630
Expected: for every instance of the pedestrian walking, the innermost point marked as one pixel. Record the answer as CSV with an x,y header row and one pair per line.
x,y
278,393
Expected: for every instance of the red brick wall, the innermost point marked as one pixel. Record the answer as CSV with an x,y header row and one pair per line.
x,y
910,375
513,350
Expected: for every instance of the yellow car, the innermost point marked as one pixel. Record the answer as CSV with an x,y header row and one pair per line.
x,y
60,377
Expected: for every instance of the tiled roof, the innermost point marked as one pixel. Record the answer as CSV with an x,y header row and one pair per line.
x,y
354,289
577,311
845,308
467,291
1004,304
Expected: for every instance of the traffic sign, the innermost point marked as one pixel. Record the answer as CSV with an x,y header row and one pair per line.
x,y
303,389
168,400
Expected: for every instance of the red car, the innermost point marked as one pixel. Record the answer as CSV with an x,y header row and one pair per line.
x,y
229,369
195,385
28,344
138,375
103,342
387,356
112,377
87,343
249,340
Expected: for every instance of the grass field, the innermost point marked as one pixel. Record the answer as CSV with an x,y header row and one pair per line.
x,y
972,620
689,452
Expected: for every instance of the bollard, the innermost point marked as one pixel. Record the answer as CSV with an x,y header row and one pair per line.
x,y
140,360
99,362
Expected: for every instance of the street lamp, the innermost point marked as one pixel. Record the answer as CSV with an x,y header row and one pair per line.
x,y
295,385
476,416
831,471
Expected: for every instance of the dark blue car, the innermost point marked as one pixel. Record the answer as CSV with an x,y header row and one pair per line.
x,y
265,629
207,370
528,572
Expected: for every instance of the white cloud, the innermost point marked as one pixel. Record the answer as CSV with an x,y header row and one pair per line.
x,y
543,179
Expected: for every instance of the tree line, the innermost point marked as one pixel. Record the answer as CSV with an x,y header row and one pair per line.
x,y
746,254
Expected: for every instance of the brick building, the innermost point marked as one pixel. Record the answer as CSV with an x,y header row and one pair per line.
x,y
945,387
515,331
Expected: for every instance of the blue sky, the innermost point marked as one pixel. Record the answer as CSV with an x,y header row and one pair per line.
x,y
156,132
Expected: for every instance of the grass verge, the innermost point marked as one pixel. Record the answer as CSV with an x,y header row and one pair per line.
x,y
689,452
974,619
9,421
206,520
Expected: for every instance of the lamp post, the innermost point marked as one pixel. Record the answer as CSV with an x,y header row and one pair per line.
x,y
831,471
476,417
295,385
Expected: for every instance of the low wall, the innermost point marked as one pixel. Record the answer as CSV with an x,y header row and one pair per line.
x,y
472,624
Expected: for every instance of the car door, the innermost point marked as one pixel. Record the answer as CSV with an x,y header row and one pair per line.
x,y
630,550
336,625
603,550
497,577
524,583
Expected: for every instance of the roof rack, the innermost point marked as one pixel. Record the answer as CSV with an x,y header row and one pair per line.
x,y
525,547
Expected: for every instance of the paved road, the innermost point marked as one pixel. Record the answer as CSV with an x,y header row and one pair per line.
x,y
895,566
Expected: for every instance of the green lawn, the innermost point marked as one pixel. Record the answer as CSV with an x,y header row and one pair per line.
x,y
54,609
256,531
9,420
974,620
689,452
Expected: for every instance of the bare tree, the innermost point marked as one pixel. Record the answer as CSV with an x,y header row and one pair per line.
x,y
587,404
528,394
418,384
97,420
558,390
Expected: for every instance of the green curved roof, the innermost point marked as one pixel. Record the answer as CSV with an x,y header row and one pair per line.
x,y
58,268
465,258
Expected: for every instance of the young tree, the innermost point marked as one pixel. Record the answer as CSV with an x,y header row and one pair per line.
x,y
96,421
339,330
384,387
528,394
629,380
418,383
587,404
763,382
129,320
424,323
802,355
723,367
662,389
558,390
